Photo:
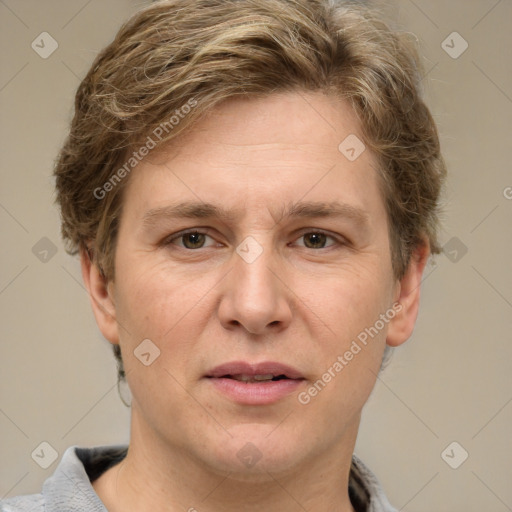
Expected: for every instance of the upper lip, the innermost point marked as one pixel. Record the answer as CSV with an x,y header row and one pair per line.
x,y
252,369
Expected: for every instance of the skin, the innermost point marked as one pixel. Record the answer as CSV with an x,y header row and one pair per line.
x,y
298,303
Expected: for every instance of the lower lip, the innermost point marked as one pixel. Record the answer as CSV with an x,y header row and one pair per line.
x,y
255,393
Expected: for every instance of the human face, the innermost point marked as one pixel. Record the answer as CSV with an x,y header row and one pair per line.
x,y
308,285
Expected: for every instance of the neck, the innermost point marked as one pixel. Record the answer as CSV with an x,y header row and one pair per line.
x,y
157,476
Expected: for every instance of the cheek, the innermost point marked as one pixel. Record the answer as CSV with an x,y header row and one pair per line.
x,y
349,357
157,301
349,337
171,315
165,311
346,302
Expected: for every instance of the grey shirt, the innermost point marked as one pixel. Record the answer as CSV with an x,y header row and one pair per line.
x,y
69,489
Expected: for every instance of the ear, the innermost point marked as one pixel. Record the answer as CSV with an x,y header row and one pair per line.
x,y
408,295
101,295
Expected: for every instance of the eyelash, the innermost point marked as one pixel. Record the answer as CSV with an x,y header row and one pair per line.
x,y
337,241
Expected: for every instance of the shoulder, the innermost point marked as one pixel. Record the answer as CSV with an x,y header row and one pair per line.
x,y
365,489
75,472
30,502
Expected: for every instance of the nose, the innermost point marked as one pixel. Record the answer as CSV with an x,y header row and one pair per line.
x,y
255,296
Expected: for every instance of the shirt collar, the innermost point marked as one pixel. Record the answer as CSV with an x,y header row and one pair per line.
x,y
70,489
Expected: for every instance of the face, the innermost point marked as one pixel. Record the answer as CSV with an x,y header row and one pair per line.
x,y
250,248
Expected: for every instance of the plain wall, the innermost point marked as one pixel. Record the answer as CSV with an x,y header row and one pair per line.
x,y
450,382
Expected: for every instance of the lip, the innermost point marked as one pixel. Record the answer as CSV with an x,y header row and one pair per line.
x,y
263,368
254,393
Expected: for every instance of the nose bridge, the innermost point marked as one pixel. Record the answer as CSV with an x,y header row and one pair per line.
x,y
252,264
254,282
254,297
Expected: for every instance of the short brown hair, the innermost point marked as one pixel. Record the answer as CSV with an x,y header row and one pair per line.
x,y
199,52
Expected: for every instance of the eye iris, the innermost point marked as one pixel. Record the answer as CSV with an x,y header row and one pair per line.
x,y
317,239
196,240
312,240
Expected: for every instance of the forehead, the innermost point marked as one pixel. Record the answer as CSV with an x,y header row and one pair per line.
x,y
253,152
314,121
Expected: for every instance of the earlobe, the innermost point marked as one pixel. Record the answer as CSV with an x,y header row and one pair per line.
x,y
408,296
100,293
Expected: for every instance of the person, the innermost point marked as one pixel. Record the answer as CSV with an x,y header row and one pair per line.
x,y
253,189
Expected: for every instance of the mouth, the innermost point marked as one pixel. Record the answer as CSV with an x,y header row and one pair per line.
x,y
255,384
255,378
258,372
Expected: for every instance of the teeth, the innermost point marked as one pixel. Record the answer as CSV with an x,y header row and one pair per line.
x,y
250,378
264,377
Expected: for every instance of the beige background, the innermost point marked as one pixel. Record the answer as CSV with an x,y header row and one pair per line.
x,y
451,382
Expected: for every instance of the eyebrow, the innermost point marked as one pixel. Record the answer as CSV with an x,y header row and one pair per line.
x,y
300,209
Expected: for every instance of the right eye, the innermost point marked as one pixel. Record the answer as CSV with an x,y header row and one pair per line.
x,y
193,239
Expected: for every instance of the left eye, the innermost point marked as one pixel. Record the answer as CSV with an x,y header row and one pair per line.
x,y
191,240
316,240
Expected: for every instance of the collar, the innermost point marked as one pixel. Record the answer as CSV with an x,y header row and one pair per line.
x,y
70,486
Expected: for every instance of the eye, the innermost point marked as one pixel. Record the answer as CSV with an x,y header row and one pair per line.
x,y
189,240
316,240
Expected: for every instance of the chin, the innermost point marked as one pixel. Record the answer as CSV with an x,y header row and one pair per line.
x,y
255,450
